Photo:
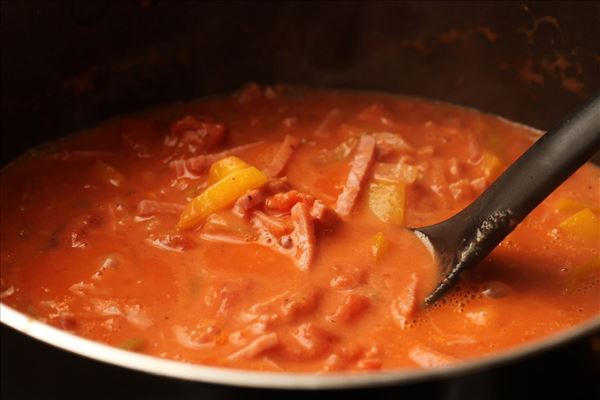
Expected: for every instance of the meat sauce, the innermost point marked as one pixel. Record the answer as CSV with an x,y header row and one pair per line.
x,y
265,230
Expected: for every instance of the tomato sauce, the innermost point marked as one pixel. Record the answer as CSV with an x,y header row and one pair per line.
x,y
310,271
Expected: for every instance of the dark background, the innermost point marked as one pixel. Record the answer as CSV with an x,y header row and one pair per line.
x,y
65,65
68,64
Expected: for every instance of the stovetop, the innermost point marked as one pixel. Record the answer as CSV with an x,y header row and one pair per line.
x,y
33,370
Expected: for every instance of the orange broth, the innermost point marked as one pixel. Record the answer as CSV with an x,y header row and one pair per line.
x,y
76,254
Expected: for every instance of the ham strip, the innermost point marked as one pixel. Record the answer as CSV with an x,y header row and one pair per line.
x,y
323,216
147,208
390,144
405,305
303,236
274,226
256,347
284,153
190,167
291,233
360,165
296,241
353,307
248,202
429,358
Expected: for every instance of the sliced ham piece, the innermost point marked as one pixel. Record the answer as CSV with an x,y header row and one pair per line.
x,y
301,303
256,347
296,241
360,165
352,308
147,208
312,341
278,163
429,358
248,202
193,166
405,305
339,152
323,216
289,231
266,306
275,226
402,171
303,236
388,143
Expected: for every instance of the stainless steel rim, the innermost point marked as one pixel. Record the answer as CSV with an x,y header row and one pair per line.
x,y
271,380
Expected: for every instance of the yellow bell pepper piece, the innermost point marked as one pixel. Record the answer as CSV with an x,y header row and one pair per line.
x,y
570,205
583,224
387,201
380,245
108,173
225,166
582,273
220,195
492,165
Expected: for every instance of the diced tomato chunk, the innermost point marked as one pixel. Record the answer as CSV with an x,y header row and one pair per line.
x,y
285,201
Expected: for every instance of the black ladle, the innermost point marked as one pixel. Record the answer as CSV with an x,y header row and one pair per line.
x,y
465,239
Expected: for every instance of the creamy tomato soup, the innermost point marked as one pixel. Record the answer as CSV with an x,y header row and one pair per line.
x,y
266,230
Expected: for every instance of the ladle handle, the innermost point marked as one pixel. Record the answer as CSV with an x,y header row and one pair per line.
x,y
468,237
542,168
479,228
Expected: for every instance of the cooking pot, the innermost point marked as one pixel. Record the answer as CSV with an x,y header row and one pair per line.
x,y
67,65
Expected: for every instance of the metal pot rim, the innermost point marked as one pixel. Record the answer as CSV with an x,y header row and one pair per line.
x,y
271,380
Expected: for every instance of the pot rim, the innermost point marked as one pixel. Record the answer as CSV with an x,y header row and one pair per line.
x,y
271,380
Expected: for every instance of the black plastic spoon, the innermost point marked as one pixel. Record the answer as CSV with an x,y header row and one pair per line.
x,y
465,239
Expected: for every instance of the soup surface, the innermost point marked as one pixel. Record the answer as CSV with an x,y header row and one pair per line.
x,y
265,231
